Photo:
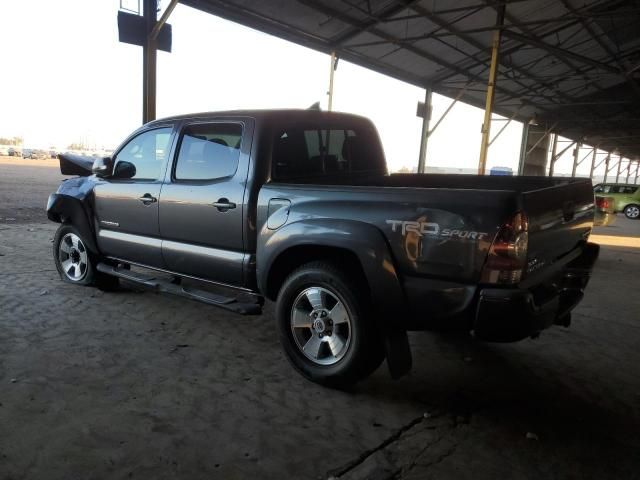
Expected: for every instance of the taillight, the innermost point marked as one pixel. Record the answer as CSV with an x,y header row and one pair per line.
x,y
602,203
508,253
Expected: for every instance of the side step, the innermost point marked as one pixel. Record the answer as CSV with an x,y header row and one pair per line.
x,y
166,286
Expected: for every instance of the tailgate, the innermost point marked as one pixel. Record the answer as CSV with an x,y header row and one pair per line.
x,y
560,219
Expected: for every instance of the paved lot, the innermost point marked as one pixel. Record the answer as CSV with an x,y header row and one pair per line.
x,y
137,385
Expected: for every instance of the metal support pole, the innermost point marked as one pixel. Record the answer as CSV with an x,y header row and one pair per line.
x,y
149,53
628,171
446,112
576,154
332,70
424,138
606,167
493,74
523,147
504,127
554,158
593,161
553,154
619,165
637,167
163,19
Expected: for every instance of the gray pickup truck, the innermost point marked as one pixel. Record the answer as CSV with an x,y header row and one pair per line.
x,y
297,206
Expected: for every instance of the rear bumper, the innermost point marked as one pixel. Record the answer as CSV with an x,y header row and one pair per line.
x,y
602,219
508,315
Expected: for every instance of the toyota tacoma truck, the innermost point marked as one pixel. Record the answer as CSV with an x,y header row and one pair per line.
x,y
298,207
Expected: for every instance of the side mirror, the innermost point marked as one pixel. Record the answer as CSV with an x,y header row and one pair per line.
x,y
101,167
124,170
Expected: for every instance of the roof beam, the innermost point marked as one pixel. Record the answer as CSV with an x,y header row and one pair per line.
x,y
559,52
606,48
443,24
322,8
375,19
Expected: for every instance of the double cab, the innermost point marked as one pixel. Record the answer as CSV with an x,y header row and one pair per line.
x,y
298,207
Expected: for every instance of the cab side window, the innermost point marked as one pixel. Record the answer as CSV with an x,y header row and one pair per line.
x,y
144,157
208,152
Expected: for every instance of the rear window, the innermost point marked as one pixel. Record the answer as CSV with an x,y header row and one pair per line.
x,y
300,152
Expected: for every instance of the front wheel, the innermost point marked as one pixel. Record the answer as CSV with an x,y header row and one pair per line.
x,y
632,212
326,326
75,263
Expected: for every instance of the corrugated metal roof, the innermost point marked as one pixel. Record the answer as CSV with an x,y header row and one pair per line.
x,y
571,64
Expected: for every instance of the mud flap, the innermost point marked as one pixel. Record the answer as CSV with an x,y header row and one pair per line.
x,y
398,352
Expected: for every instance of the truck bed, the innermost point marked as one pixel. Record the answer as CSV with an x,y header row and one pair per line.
x,y
466,210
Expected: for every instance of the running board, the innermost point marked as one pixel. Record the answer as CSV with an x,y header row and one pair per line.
x,y
166,286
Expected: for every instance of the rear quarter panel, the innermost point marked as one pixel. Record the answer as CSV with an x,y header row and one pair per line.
x,y
428,231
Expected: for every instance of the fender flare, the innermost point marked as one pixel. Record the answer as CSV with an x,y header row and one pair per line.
x,y
62,208
369,245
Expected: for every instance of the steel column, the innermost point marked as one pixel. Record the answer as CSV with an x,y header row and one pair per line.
x,y
523,147
628,171
163,19
619,165
446,112
606,167
576,154
493,74
149,54
637,167
424,136
593,161
504,127
555,157
332,69
554,147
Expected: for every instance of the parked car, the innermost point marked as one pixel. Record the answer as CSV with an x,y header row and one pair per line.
x,y
626,197
34,154
4,151
298,207
604,214
501,171
15,152
40,154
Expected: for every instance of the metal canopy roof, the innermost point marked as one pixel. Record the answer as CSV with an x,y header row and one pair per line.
x,y
573,65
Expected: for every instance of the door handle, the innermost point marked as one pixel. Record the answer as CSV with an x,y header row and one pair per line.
x,y
147,198
223,204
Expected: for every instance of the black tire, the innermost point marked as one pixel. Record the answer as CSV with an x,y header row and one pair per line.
x,y
632,211
364,350
82,271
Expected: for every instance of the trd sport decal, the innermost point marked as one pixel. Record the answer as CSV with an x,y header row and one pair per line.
x,y
430,228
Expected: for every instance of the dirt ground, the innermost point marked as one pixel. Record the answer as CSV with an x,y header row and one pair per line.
x,y
132,384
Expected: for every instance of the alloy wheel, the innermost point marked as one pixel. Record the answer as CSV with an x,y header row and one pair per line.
x,y
321,325
73,257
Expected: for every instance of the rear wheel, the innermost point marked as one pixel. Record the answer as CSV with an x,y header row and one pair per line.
x,y
632,211
75,263
326,326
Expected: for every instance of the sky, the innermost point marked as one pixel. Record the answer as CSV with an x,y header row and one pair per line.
x,y
66,78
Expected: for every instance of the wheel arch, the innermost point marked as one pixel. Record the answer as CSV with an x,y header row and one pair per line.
x,y
357,245
66,209
293,257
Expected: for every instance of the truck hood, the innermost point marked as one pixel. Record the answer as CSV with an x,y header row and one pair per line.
x,y
71,164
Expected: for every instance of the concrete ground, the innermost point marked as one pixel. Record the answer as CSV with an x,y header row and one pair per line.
x,y
138,385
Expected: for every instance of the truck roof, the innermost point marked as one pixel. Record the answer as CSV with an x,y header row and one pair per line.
x,y
296,114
